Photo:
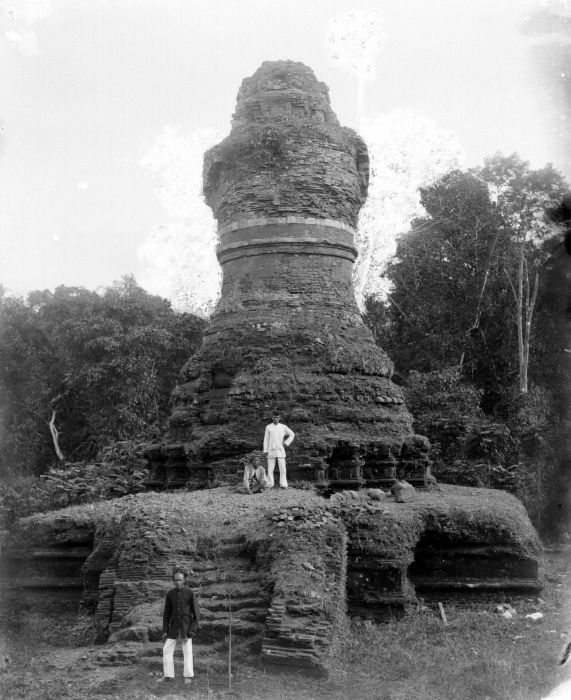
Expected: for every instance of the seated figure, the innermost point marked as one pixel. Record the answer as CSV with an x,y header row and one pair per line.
x,y
255,479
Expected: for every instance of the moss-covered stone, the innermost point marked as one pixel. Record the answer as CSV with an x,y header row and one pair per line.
x,y
277,562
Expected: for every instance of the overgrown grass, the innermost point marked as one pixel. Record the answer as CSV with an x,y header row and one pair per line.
x,y
475,656
60,625
478,655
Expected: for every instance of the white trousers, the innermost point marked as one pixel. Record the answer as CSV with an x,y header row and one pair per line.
x,y
282,467
168,658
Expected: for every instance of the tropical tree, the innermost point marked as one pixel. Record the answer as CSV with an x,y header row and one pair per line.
x,y
25,388
466,277
80,369
523,200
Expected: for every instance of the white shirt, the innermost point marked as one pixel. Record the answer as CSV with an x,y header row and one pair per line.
x,y
274,439
250,471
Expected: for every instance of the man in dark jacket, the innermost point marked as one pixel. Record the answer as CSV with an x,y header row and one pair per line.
x,y
180,621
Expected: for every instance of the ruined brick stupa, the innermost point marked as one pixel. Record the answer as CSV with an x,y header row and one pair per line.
x,y
286,187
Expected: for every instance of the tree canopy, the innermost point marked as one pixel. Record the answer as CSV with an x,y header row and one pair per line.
x,y
455,273
106,364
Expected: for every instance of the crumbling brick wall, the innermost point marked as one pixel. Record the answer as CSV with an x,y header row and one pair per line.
x,y
286,187
286,154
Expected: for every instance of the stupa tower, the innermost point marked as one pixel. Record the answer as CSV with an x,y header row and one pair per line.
x,y
286,187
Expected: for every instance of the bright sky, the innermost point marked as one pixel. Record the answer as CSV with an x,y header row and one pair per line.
x,y
89,85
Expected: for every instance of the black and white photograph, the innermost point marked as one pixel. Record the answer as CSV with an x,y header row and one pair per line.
x,y
285,349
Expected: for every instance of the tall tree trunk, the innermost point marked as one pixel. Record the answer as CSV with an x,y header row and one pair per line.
x,y
530,306
520,336
478,313
525,305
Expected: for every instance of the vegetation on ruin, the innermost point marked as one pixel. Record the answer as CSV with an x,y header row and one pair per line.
x,y
476,654
101,366
275,140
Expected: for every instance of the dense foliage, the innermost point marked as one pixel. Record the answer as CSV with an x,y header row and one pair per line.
x,y
105,363
115,476
477,308
453,277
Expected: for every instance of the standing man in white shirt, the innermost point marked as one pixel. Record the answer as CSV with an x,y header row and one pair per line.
x,y
274,448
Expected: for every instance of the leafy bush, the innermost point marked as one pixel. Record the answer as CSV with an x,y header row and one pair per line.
x,y
303,485
21,496
442,391
536,427
122,471
464,472
467,448
84,483
515,453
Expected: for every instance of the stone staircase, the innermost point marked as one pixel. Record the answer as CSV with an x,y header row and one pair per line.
x,y
234,599
233,596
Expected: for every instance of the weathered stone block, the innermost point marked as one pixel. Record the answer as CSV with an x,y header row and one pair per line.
x,y
403,492
298,415
130,634
210,417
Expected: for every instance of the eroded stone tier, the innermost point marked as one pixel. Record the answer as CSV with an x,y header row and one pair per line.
x,y
286,154
286,187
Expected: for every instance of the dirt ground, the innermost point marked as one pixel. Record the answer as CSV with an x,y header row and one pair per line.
x,y
478,655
